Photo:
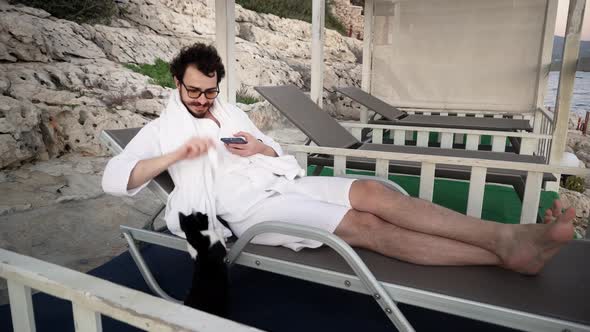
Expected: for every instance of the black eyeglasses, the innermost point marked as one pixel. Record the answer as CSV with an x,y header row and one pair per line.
x,y
196,92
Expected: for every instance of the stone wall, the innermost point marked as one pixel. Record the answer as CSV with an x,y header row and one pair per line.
x,y
351,16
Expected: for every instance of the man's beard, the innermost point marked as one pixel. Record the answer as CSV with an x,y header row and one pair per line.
x,y
201,114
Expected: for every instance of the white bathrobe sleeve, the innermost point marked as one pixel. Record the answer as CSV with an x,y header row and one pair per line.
x,y
252,129
144,145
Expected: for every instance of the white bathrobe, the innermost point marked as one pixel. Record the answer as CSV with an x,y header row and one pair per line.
x,y
241,184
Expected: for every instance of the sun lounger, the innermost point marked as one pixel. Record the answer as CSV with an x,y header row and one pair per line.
x,y
324,131
393,115
556,300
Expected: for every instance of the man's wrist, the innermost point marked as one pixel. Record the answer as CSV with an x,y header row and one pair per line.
x,y
266,150
173,157
262,148
269,151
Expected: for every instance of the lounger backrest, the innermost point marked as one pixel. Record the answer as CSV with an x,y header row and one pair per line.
x,y
307,116
122,137
372,102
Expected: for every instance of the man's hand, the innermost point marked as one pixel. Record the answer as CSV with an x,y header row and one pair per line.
x,y
252,147
147,169
193,148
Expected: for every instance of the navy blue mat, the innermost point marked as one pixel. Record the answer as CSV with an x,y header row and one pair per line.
x,y
264,300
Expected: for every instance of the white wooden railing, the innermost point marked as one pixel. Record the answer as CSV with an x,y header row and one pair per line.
x,y
538,142
478,114
543,124
478,168
529,142
92,297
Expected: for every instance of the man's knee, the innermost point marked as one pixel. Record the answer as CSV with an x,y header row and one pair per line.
x,y
359,229
366,192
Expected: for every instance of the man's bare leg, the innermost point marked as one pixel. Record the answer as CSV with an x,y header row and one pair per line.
x,y
524,248
365,230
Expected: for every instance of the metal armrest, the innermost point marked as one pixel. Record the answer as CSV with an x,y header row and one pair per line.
x,y
388,183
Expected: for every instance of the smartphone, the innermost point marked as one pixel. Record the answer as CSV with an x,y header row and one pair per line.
x,y
233,140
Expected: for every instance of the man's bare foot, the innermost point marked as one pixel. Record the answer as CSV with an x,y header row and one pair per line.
x,y
526,248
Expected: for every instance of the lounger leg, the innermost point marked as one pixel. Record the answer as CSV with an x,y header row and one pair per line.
x,y
318,170
145,271
373,286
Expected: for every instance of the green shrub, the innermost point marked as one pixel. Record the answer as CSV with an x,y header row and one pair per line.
x,y
246,99
574,183
80,11
295,9
243,97
159,72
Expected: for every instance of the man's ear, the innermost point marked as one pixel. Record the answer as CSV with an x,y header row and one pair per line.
x,y
177,82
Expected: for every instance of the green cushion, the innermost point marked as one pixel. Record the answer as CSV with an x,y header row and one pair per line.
x,y
500,203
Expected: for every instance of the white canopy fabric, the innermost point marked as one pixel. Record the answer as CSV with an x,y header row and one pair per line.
x,y
463,54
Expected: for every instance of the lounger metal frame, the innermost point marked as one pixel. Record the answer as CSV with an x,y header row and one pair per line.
x,y
363,281
237,254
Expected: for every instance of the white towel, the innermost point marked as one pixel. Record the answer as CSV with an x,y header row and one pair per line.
x,y
286,165
193,179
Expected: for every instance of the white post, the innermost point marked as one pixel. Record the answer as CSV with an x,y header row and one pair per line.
x,y
446,141
317,51
21,307
530,201
301,158
399,137
545,58
339,165
377,136
538,122
477,185
422,138
86,320
225,25
367,54
565,90
382,168
498,143
427,181
528,145
357,133
472,142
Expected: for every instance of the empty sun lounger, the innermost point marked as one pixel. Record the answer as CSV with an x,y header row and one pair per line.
x,y
555,300
393,115
324,131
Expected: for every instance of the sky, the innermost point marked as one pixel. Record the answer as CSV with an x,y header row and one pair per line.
x,y
562,19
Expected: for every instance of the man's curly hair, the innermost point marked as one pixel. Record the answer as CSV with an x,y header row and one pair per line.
x,y
203,56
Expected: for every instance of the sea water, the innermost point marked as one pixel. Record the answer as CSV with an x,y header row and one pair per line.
x,y
581,97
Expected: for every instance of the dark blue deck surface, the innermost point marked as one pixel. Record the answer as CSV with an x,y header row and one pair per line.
x,y
260,299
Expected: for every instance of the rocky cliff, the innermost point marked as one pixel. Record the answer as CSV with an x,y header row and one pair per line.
x,y
61,83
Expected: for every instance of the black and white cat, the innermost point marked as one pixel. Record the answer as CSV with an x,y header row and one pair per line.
x,y
210,286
